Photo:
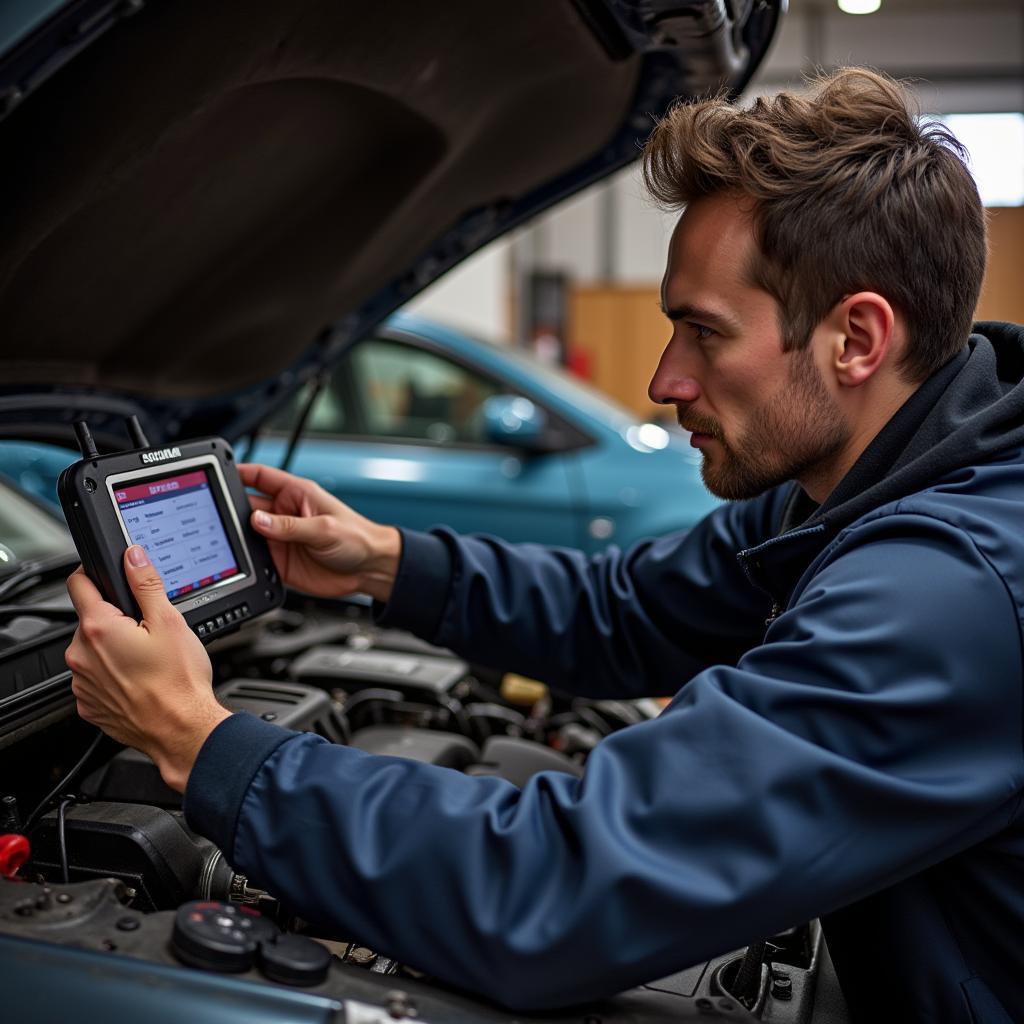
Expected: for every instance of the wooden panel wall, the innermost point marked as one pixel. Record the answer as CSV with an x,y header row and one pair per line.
x,y
622,330
1002,296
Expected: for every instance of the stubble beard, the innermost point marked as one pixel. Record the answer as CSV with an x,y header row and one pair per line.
x,y
791,435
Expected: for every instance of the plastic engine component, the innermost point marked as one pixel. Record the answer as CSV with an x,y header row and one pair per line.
x,y
216,936
446,749
147,848
417,675
294,960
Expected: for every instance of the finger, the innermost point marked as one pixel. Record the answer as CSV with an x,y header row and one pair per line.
x,y
288,492
146,584
83,593
258,501
82,688
75,655
267,479
315,531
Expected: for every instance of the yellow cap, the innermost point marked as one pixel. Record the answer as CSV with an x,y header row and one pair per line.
x,y
521,690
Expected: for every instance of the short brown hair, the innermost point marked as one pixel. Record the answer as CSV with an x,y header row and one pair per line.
x,y
851,192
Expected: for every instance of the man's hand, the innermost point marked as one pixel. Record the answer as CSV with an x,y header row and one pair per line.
x,y
147,684
318,543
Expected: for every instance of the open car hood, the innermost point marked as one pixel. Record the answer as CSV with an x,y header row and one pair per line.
x,y
206,203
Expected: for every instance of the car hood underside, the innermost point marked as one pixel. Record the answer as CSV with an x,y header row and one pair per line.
x,y
189,201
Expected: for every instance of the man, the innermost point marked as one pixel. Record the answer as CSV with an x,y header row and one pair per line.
x,y
848,741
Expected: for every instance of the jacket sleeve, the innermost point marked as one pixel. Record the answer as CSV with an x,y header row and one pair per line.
x,y
619,624
877,731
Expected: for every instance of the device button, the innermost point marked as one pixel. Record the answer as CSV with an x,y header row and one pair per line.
x,y
245,609
229,615
210,626
201,630
220,621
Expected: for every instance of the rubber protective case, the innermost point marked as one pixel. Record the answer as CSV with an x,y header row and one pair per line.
x,y
86,495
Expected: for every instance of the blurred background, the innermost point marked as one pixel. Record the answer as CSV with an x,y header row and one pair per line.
x,y
579,285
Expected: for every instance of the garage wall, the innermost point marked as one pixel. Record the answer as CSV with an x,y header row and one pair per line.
x,y
1002,297
473,297
622,331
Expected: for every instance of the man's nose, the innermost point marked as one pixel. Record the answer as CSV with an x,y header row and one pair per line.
x,y
671,383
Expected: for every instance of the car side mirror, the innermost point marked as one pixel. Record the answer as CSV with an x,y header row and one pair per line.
x,y
514,421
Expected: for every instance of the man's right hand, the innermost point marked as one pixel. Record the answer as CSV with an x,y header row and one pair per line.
x,y
319,544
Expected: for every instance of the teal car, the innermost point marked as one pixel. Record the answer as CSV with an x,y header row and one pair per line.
x,y
420,425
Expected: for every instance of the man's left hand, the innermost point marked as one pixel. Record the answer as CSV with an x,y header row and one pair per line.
x,y
147,684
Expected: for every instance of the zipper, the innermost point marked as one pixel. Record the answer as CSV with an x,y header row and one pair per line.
x,y
775,613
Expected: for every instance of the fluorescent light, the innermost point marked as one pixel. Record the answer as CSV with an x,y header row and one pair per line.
x,y
859,6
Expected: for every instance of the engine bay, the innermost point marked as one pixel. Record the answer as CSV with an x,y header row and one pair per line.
x,y
110,870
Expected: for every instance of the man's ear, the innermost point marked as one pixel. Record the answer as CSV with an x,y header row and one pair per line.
x,y
863,325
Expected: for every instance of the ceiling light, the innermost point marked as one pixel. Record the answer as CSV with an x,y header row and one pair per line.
x,y
859,6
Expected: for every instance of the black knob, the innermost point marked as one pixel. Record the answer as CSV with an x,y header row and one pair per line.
x,y
294,960
218,936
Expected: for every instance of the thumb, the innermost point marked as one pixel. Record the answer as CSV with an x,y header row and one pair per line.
x,y
146,584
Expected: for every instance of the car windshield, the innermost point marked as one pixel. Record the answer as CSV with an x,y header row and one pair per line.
x,y
27,532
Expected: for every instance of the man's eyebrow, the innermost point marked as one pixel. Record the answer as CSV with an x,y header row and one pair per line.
x,y
687,311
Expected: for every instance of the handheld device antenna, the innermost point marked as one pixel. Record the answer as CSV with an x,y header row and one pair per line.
x,y
85,442
135,432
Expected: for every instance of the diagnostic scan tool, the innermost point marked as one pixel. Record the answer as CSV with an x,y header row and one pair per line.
x,y
187,507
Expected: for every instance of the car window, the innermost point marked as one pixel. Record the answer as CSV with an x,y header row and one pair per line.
x,y
402,392
27,533
407,392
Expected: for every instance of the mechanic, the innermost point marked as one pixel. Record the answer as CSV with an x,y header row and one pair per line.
x,y
848,741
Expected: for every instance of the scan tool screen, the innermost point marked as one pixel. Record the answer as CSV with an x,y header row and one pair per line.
x,y
177,520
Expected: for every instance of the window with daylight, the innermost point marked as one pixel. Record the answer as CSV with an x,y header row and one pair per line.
x,y
995,143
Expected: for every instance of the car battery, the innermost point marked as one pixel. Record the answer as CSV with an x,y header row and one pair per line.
x,y
418,676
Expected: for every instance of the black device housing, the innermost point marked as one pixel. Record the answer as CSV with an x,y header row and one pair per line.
x,y
86,493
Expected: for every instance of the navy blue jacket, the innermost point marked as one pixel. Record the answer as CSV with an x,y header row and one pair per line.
x,y
858,758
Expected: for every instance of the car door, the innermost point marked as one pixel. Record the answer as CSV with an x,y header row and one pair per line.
x,y
397,433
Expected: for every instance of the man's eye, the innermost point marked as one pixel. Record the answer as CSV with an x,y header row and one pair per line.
x,y
702,332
